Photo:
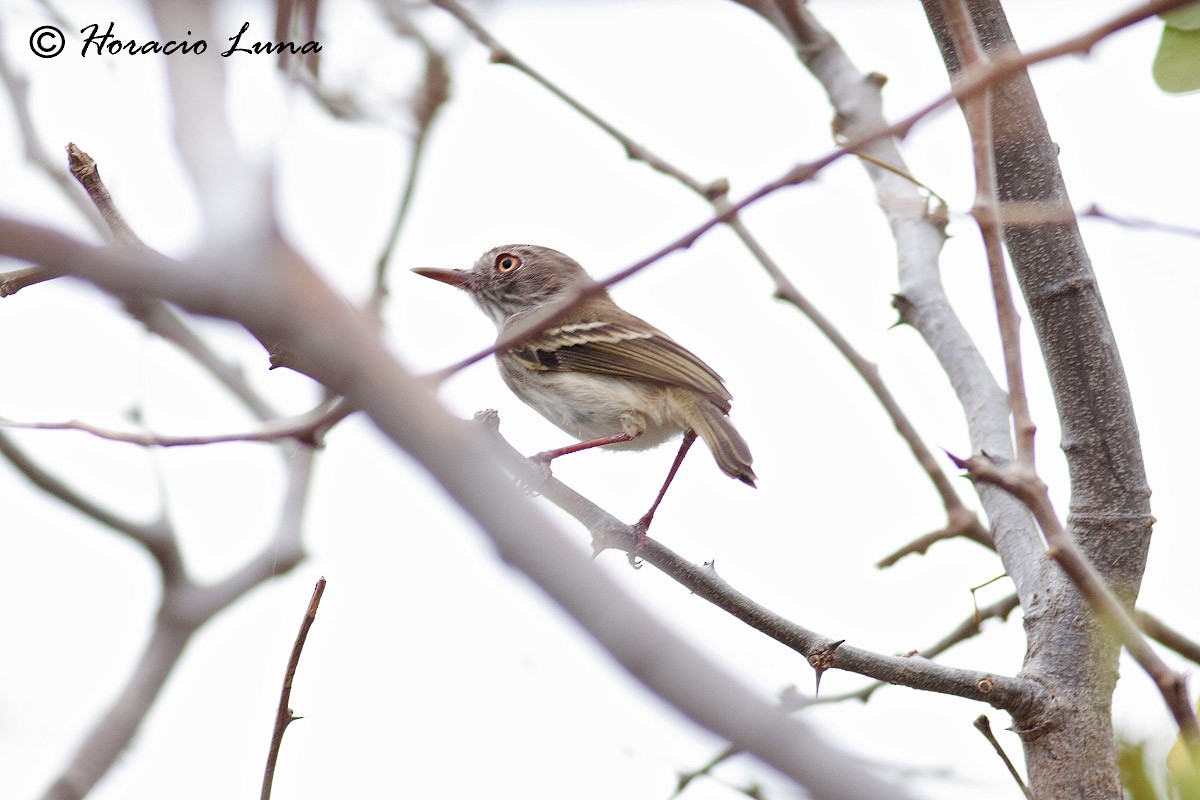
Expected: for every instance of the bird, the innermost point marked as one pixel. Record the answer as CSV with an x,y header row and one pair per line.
x,y
604,376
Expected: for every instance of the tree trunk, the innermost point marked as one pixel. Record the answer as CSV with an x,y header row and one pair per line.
x,y
1075,754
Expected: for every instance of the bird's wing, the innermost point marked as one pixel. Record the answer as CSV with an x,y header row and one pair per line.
x,y
626,348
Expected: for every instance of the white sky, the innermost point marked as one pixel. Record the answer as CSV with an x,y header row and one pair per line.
x,y
432,669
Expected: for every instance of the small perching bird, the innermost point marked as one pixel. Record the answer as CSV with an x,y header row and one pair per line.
x,y
601,374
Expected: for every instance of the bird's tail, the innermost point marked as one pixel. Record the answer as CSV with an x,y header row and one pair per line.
x,y
727,445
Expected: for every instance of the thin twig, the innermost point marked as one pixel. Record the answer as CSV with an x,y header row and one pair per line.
x,y
966,525
306,428
1095,212
283,716
432,96
158,536
984,726
978,113
1039,213
1167,636
970,627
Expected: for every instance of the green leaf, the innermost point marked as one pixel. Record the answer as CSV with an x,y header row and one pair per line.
x,y
1176,67
1186,18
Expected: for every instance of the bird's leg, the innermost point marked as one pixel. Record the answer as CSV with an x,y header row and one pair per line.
x,y
643,524
633,425
546,456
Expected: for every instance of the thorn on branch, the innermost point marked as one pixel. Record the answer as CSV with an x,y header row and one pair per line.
x,y
904,307
821,659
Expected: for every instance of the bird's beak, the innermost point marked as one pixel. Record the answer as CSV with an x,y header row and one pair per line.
x,y
461,278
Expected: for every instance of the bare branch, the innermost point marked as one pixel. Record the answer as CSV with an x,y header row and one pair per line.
x,y
115,728
283,716
157,537
978,112
1018,697
1095,212
306,428
1167,636
17,88
922,302
792,700
966,525
433,94
1110,510
984,726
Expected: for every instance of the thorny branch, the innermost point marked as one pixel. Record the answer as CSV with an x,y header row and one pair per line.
x,y
283,714
1020,698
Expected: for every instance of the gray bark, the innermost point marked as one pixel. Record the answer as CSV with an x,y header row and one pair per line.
x,y
1074,755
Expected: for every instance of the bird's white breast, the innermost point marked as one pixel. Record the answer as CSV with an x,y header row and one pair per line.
x,y
589,406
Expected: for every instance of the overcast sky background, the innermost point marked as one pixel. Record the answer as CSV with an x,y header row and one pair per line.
x,y
432,669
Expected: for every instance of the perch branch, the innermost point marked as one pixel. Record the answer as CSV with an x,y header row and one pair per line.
x,y
1017,696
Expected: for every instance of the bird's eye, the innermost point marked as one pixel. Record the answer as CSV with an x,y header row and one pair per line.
x,y
507,262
